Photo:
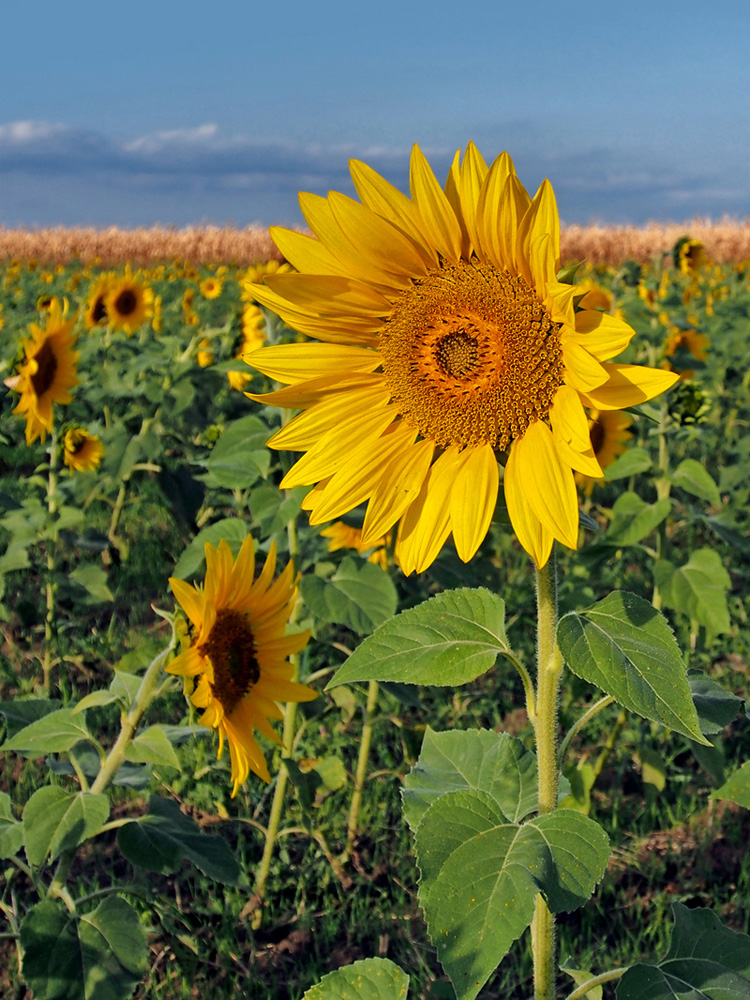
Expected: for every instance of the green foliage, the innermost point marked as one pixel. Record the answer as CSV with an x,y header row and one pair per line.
x,y
450,639
368,979
698,589
55,820
359,595
100,955
627,649
704,959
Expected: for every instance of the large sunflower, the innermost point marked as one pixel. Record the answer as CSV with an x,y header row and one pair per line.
x,y
129,302
48,371
239,653
448,342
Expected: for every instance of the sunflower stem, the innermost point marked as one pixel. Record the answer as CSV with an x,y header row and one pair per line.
x,y
373,690
545,725
663,487
145,695
50,587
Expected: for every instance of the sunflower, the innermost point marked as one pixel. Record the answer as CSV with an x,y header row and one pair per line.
x,y
81,450
239,653
610,433
689,255
205,355
696,343
48,372
129,303
211,288
96,309
341,535
448,343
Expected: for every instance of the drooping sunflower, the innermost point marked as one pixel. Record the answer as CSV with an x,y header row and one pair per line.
x,y
610,433
129,303
96,308
81,450
48,371
239,653
448,342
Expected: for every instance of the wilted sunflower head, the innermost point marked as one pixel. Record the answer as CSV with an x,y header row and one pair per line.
x,y
81,451
48,371
129,302
447,343
238,656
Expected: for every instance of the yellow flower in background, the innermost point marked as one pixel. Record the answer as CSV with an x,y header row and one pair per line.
x,y
81,450
594,296
610,433
253,328
96,307
44,302
239,653
211,288
129,303
48,372
256,273
690,255
447,340
205,355
693,341
344,536
156,319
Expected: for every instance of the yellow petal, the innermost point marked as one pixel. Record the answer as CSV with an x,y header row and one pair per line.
x,y
188,663
569,420
541,219
305,253
190,599
582,371
434,208
305,430
315,390
291,363
329,294
473,499
377,240
399,486
547,484
628,385
602,335
426,524
532,534
495,219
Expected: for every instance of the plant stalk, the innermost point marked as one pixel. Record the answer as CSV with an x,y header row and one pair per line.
x,y
545,725
373,690
51,587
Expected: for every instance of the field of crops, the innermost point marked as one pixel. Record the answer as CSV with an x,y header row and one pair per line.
x,y
161,868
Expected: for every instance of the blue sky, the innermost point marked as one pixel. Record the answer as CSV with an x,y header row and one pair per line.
x,y
183,113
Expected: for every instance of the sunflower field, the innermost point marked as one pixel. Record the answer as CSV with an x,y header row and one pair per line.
x,y
268,541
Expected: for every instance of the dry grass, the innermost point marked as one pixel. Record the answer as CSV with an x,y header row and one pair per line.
x,y
725,241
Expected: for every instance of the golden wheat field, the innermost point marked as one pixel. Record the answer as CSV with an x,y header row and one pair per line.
x,y
598,244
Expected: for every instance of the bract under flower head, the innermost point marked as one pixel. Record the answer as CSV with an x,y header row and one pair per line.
x,y
447,342
48,371
239,653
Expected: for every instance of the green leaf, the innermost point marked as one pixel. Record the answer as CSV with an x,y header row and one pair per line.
x,y
705,960
233,529
359,595
23,711
11,831
100,955
240,456
53,733
626,648
653,768
737,788
634,519
152,747
55,820
581,777
631,463
94,581
480,877
274,508
692,477
164,837
448,640
368,979
698,589
476,759
716,707
580,977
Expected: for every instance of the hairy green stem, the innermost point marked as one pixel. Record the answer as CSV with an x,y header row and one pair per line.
x,y
545,725
115,757
51,587
663,487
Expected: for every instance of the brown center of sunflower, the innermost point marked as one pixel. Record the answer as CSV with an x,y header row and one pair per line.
x,y
126,302
99,309
231,648
46,369
598,434
471,355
